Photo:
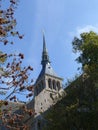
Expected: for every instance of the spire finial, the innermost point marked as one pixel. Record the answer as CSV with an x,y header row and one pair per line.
x,y
45,57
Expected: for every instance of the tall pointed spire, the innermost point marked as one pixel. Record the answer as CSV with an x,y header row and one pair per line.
x,y
45,57
44,44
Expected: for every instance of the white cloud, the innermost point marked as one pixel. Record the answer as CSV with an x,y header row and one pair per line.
x,y
86,28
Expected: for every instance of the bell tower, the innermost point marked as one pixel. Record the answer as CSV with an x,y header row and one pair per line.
x,y
47,85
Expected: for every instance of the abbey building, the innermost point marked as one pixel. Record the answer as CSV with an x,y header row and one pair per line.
x,y
47,90
48,87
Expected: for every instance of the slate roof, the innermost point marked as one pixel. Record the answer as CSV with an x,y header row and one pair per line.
x,y
47,70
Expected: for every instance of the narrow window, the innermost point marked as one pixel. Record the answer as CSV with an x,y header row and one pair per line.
x,y
49,83
54,84
58,85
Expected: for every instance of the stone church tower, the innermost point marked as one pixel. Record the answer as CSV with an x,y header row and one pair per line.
x,y
48,87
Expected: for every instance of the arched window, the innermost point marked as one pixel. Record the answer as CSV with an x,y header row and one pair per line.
x,y
49,83
54,84
58,85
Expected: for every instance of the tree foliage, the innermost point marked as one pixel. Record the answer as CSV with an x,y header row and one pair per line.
x,y
14,77
87,45
8,21
12,74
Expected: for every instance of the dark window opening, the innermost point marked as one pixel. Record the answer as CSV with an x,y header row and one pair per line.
x,y
49,83
58,85
54,84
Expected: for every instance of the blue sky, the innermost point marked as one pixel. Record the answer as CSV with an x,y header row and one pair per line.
x,y
61,20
